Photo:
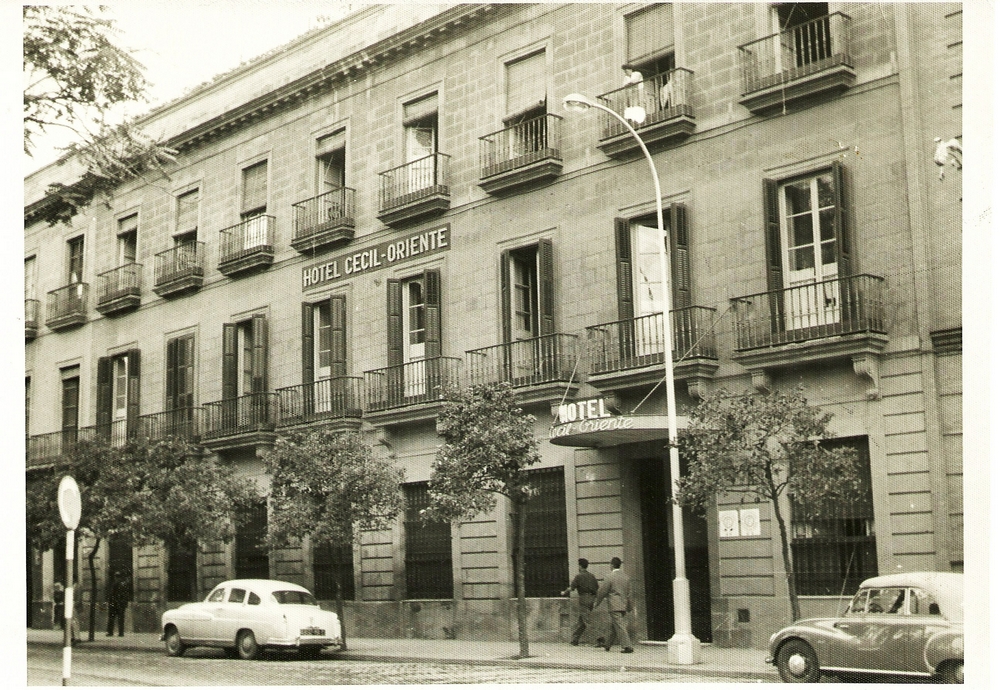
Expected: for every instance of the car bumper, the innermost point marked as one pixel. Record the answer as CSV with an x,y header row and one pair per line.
x,y
306,641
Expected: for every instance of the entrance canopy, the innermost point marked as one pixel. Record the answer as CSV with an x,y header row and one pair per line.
x,y
613,430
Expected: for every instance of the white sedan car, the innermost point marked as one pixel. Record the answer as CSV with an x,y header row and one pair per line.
x,y
245,616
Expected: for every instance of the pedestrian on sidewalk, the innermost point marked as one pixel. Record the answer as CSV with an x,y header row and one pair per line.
x,y
59,604
617,589
119,594
585,585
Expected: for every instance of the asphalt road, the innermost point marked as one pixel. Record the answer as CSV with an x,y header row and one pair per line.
x,y
208,667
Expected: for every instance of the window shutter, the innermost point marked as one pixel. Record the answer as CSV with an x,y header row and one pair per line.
x,y
526,88
338,334
680,259
394,310
104,391
772,229
331,142
308,348
505,297
132,391
173,345
187,212
546,289
254,188
432,304
258,362
650,32
841,227
419,109
623,269
230,362
185,372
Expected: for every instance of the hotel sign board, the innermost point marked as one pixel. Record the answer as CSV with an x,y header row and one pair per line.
x,y
378,256
589,423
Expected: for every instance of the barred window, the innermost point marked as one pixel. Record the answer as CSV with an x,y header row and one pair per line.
x,y
428,549
546,552
833,553
333,564
251,557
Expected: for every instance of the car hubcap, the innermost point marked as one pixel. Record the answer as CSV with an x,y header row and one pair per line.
x,y
797,664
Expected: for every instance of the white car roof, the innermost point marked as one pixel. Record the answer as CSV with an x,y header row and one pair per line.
x,y
948,589
262,586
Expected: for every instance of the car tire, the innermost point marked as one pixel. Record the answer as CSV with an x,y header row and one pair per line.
x,y
309,653
246,645
797,662
953,672
172,641
230,652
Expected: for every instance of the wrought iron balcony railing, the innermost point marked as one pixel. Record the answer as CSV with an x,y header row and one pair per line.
x,y
243,415
330,210
183,262
421,381
252,236
544,359
326,399
43,449
67,305
119,284
414,181
184,423
31,317
796,52
663,96
519,145
638,342
839,306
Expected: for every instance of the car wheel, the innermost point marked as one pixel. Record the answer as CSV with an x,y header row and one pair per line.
x,y
246,645
953,672
309,652
173,643
797,663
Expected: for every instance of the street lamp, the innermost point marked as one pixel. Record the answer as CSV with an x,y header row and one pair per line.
x,y
683,647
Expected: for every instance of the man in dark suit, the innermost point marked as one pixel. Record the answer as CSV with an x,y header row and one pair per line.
x,y
119,594
617,589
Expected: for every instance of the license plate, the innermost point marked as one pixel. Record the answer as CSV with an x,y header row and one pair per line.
x,y
313,631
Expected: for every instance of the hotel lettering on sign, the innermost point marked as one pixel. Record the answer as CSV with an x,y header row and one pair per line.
x,y
377,256
584,416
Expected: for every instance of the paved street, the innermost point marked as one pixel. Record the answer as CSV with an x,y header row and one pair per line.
x,y
119,667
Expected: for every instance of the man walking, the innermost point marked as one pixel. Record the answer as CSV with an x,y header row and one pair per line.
x,y
119,594
585,585
617,589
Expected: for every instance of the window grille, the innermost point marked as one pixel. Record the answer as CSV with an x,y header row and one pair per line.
x,y
330,565
428,549
832,553
546,552
251,557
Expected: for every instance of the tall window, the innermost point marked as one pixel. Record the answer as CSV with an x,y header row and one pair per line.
x,y
526,287
251,556
27,406
244,357
128,238
546,549
118,394
254,205
331,161
30,278
333,565
833,552
526,105
806,32
428,549
420,128
324,353
180,385
649,34
74,263
70,378
186,228
414,329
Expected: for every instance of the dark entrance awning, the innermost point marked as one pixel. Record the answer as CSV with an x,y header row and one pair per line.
x,y
613,431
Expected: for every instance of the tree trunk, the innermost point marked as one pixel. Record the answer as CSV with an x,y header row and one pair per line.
x,y
786,555
520,520
93,588
339,598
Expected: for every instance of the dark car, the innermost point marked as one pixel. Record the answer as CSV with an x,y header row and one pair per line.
x,y
908,624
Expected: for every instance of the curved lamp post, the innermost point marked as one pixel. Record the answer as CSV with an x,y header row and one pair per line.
x,y
683,647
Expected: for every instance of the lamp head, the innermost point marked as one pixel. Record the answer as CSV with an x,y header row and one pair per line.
x,y
576,103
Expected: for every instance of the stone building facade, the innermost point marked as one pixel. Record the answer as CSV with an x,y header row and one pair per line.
x,y
398,201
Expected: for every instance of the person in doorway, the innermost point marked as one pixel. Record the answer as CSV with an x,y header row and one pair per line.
x,y
119,594
585,585
617,589
59,604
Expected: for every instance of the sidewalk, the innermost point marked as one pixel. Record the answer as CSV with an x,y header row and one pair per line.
x,y
744,663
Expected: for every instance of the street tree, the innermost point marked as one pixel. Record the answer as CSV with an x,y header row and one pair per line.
x,y
330,485
767,449
488,442
76,76
151,492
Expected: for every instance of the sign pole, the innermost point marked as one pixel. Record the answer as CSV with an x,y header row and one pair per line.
x,y
69,511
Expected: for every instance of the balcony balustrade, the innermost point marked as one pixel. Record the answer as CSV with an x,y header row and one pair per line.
x,y
183,423
666,100
520,154
414,190
119,289
31,309
47,449
324,220
803,61
67,306
248,245
412,383
545,359
329,399
246,420
179,269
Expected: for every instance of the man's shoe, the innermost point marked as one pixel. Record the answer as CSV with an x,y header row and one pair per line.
x,y
627,650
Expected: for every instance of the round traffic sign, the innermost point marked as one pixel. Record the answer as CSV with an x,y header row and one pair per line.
x,y
69,502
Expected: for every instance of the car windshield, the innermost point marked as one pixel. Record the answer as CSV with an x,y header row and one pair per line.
x,y
291,596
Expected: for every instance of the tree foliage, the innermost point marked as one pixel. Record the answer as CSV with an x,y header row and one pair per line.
x,y
764,448
325,484
488,441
